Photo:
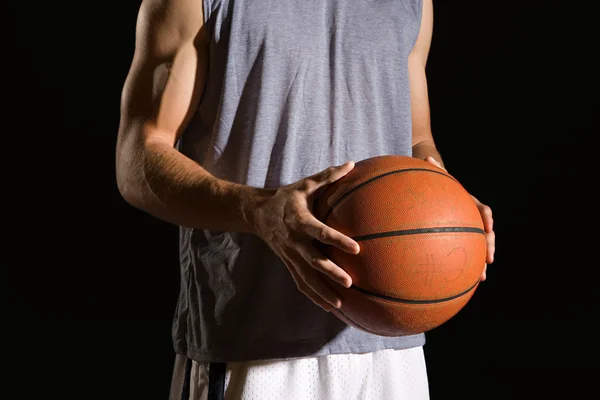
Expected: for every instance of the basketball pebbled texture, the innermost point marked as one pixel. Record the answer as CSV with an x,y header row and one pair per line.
x,y
422,244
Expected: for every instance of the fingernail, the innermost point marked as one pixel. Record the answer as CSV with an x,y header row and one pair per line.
x,y
344,282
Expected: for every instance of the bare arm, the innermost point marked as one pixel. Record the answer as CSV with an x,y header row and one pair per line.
x,y
423,143
160,94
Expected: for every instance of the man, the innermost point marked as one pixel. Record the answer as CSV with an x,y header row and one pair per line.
x,y
234,113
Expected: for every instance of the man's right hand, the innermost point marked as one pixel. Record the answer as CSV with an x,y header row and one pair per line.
x,y
286,223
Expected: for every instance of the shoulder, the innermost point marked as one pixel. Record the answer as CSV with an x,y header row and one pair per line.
x,y
164,26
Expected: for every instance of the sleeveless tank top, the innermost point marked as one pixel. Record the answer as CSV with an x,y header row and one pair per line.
x,y
293,87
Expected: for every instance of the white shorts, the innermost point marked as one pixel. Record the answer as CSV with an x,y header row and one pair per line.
x,y
382,375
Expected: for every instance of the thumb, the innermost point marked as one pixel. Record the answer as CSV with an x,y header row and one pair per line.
x,y
330,175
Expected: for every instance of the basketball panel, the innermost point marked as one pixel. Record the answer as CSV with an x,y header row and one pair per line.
x,y
388,318
362,172
416,267
405,201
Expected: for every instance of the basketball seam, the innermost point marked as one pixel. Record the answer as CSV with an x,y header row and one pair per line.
x,y
419,231
411,301
373,179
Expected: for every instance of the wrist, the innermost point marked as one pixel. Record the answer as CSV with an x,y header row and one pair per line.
x,y
424,150
251,201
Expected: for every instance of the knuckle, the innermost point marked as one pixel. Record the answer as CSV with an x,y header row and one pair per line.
x,y
331,175
318,263
289,220
307,185
313,261
323,234
298,219
486,210
295,218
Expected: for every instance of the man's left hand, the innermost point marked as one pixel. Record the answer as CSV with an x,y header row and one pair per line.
x,y
488,224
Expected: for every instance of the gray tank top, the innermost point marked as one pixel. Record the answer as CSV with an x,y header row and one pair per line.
x,y
294,86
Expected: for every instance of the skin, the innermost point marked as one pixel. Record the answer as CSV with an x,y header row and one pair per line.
x,y
161,92
423,143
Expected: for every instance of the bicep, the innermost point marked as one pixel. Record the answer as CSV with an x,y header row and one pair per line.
x,y
417,63
167,73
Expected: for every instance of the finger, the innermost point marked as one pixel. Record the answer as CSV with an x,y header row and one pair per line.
x,y
486,216
305,289
312,279
326,177
491,246
327,235
484,273
318,261
435,162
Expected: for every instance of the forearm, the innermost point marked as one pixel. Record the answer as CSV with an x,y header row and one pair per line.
x,y
160,180
426,149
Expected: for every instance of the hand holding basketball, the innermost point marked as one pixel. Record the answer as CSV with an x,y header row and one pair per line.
x,y
488,224
286,223
422,239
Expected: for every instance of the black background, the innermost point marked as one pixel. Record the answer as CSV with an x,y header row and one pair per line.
x,y
511,98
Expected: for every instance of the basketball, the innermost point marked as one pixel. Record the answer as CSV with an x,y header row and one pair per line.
x,y
422,244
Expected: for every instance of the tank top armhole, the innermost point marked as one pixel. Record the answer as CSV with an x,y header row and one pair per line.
x,y
419,20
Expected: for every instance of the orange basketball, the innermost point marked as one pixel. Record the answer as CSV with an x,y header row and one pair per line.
x,y
422,244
